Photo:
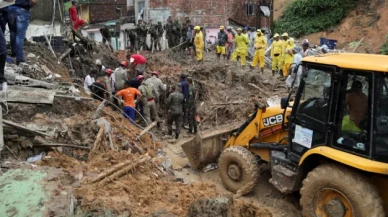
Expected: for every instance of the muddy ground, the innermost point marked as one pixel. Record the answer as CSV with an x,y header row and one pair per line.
x,y
156,179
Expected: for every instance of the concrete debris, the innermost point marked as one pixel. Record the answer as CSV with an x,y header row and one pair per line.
x,y
31,55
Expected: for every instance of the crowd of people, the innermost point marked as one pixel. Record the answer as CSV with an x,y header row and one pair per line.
x,y
128,88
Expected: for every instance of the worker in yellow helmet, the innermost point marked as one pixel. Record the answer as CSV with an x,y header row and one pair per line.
x,y
259,45
284,46
242,42
289,57
276,53
198,43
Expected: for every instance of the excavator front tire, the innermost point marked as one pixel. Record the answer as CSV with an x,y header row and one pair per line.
x,y
238,169
334,190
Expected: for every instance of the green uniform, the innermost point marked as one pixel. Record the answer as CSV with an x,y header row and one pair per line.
x,y
191,110
141,31
175,103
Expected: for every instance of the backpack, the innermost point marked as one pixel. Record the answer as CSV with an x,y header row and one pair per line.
x,y
148,91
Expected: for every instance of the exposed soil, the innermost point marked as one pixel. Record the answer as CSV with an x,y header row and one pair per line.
x,y
369,21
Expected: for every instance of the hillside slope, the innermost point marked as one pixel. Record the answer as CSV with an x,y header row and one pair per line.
x,y
369,20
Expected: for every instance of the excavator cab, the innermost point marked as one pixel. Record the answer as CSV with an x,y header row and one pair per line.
x,y
337,137
328,139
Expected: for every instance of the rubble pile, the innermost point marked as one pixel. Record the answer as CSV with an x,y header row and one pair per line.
x,y
225,92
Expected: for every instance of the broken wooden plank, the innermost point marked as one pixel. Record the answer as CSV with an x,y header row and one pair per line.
x,y
64,54
20,127
97,142
148,128
359,43
39,141
98,111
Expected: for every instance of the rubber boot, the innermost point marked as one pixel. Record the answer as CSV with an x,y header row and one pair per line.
x,y
273,72
176,135
195,130
262,70
170,133
281,72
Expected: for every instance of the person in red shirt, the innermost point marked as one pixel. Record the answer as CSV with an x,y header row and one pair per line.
x,y
75,20
138,62
128,95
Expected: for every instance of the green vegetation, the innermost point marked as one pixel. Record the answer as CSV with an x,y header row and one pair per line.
x,y
303,17
384,47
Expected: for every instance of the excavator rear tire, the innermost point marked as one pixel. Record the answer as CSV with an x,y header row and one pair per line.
x,y
335,190
241,159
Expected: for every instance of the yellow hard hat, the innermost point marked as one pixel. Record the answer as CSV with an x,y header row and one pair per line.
x,y
276,35
197,28
222,27
258,30
285,34
239,29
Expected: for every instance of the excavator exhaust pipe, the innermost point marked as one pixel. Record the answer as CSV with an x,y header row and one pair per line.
x,y
206,146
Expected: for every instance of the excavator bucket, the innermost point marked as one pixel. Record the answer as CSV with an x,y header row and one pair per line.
x,y
206,146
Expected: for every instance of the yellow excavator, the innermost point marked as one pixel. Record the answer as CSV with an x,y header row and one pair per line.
x,y
328,139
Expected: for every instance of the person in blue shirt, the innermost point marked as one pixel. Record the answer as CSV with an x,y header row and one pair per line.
x,y
185,92
18,20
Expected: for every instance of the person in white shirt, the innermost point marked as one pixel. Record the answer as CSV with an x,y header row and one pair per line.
x,y
296,72
89,80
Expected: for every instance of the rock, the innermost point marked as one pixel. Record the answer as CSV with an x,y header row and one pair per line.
x,y
31,55
210,207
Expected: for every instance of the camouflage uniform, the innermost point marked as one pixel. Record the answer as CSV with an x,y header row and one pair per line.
x,y
170,34
148,99
132,39
177,31
191,111
141,31
175,102
156,32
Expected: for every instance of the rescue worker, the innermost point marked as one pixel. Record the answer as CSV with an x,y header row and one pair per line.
x,y
241,51
276,53
137,61
159,29
108,84
98,89
121,76
132,39
229,43
128,96
297,70
222,39
89,80
141,32
199,44
148,99
154,35
177,31
100,68
185,92
106,37
158,86
284,47
191,108
189,36
289,57
175,102
260,45
170,33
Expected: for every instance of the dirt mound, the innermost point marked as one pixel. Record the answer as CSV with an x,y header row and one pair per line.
x,y
226,207
368,21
